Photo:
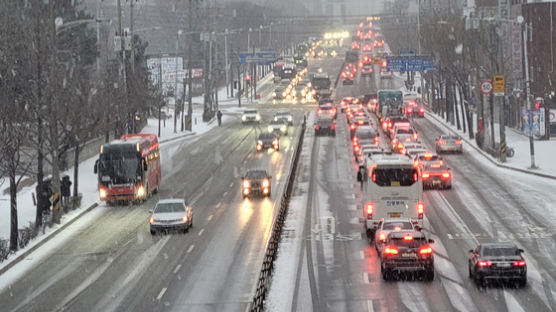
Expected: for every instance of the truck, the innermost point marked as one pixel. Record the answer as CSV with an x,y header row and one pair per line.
x,y
389,103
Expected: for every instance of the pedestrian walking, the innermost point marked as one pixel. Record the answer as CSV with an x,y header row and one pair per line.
x,y
361,174
219,117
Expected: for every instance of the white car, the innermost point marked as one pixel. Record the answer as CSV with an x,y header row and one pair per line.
x,y
411,152
278,126
390,225
250,115
284,116
171,214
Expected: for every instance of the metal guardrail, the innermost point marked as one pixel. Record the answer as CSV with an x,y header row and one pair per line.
x,y
257,304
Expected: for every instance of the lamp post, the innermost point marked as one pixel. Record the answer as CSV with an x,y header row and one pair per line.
x,y
176,82
521,21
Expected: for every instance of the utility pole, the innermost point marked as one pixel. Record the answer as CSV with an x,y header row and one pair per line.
x,y
501,101
53,121
190,68
176,82
131,35
528,91
226,61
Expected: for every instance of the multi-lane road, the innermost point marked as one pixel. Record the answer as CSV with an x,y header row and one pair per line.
x,y
486,204
112,263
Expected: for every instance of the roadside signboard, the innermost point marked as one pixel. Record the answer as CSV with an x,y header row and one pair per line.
x,y
486,87
410,63
499,85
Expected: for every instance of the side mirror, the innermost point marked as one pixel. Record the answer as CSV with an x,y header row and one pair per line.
x,y
521,250
95,169
431,241
470,250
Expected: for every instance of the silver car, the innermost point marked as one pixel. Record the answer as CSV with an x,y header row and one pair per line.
x,y
279,126
171,214
390,225
449,143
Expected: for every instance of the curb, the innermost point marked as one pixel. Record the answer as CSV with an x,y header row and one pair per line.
x,y
488,157
45,240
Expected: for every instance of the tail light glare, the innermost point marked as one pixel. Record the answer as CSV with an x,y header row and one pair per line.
x,y
381,236
484,263
332,127
370,209
151,220
445,175
409,110
353,126
374,177
391,251
458,142
316,127
408,237
421,110
519,263
441,142
415,177
400,146
420,209
415,135
425,175
425,251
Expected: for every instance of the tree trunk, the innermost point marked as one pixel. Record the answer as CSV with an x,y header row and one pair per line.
x,y
455,107
40,176
463,101
76,170
13,212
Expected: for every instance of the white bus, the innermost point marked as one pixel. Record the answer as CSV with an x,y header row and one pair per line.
x,y
394,189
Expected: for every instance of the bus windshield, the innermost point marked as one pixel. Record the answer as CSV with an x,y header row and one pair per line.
x,y
119,166
395,176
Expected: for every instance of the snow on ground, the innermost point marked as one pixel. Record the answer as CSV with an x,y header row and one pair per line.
x,y
87,181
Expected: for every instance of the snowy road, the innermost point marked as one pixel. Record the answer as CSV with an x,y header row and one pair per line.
x,y
340,271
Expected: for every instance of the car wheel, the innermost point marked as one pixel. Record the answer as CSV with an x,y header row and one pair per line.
x,y
191,223
470,271
386,274
448,187
153,232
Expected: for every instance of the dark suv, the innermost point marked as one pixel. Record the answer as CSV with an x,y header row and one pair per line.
x,y
325,125
407,251
500,261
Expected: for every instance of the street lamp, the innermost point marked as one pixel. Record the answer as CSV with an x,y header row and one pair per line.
x,y
176,81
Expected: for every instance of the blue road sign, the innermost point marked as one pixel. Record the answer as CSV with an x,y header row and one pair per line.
x,y
261,58
410,63
407,52
243,57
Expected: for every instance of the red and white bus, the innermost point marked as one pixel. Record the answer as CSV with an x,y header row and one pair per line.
x,y
129,168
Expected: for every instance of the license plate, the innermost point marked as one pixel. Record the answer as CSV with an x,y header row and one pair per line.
x,y
408,255
390,203
394,214
503,265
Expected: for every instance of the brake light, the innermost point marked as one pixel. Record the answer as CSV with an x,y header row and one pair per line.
x,y
333,127
425,175
394,141
436,165
353,126
384,124
458,142
390,251
374,177
519,263
446,175
319,111
381,236
410,110
369,209
151,220
425,251
408,237
415,177
356,148
408,139
389,124
376,140
421,110
420,209
361,122
441,142
397,228
354,141
484,263
415,135
400,146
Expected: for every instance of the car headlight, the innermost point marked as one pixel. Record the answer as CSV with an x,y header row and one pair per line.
x,y
283,129
244,118
290,118
266,183
258,117
275,142
270,129
275,118
274,94
140,192
260,142
303,92
246,183
283,93
314,92
102,193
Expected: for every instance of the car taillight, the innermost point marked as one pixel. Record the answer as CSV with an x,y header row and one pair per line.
x,y
445,175
415,164
441,142
361,122
384,124
421,110
369,209
519,263
319,111
353,126
458,142
415,177
356,148
400,146
425,175
151,220
408,237
381,236
425,251
389,125
185,218
376,140
316,127
414,135
374,177
410,110
420,209
391,251
333,127
333,111
484,263
355,141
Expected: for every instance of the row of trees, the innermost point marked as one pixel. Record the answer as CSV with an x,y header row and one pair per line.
x,y
54,97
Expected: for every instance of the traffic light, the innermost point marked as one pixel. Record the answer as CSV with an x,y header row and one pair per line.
x,y
537,105
248,79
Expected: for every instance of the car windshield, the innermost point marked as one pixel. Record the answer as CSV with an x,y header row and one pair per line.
x,y
499,251
397,225
256,174
169,207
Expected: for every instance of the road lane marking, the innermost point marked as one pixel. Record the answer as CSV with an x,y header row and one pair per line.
x,y
209,218
225,193
177,268
201,232
190,248
218,205
362,254
366,279
231,184
161,294
370,306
